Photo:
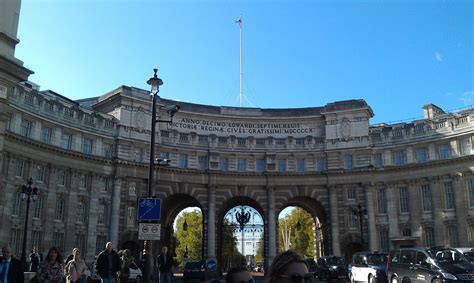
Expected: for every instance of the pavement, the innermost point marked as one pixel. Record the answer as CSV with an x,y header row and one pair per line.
x,y
259,278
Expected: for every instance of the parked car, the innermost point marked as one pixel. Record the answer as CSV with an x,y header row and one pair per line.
x,y
311,266
436,265
259,267
368,267
331,267
468,253
194,270
136,274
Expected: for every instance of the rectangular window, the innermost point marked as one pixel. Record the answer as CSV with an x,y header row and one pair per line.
x,y
101,214
351,193
224,164
203,162
203,139
320,164
60,209
46,135
348,161
100,243
87,146
426,198
81,212
261,165
300,165
80,242
16,239
40,173
453,236
29,98
25,128
108,150
38,207
353,220
17,204
165,134
399,157
58,240
183,160
68,112
49,106
281,165
384,240
470,185
260,142
66,141
183,137
84,182
37,239
300,141
382,201
241,141
378,160
466,146
164,155
444,152
61,177
280,141
428,236
89,119
448,195
421,155
222,140
406,232
19,168
241,165
404,200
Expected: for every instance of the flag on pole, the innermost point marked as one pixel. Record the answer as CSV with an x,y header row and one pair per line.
x,y
239,21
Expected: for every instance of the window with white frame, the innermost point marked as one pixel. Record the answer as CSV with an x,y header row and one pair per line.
x,y
428,236
351,193
87,146
80,242
203,162
60,209
404,200
203,139
466,146
320,164
399,157
108,150
84,182
40,173
81,211
223,164
25,128
444,152
183,160
453,236
38,207
17,204
61,177
382,201
281,165
241,141
384,240
348,161
260,142
66,141
300,141
37,239
16,237
300,165
448,195
421,155
102,213
261,165
378,160
241,165
183,137
426,198
46,135
19,168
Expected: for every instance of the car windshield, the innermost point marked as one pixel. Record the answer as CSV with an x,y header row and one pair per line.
x,y
335,260
446,255
469,256
376,259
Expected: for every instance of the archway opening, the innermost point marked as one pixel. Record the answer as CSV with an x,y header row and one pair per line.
x,y
188,235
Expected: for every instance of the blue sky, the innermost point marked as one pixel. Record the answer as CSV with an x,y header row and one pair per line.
x,y
397,55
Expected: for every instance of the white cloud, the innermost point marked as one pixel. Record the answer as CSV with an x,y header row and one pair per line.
x,y
438,56
468,98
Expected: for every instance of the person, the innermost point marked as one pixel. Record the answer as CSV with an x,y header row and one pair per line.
x,y
52,268
11,269
126,259
35,259
239,275
165,262
289,267
76,268
108,264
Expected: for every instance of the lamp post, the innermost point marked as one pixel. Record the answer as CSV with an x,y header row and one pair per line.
x,y
360,212
28,193
242,217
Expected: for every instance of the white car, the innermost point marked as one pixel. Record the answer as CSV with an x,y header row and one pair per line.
x,y
368,267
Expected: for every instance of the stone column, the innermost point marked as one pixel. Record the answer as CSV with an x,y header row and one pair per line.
x,y
438,209
115,212
272,227
336,246
372,230
392,207
211,223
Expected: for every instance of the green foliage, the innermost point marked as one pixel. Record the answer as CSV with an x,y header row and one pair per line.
x,y
230,256
191,238
300,240
260,251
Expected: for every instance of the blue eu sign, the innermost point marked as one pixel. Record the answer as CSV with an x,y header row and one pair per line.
x,y
149,209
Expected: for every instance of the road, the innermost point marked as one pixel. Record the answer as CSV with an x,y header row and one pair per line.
x,y
259,278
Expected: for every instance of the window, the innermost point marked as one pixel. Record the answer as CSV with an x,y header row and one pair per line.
x,y
100,243
353,220
241,141
320,164
470,185
378,160
300,165
241,165
89,119
87,146
406,232
444,152
183,137
29,98
68,112
426,198
38,206
428,237
453,236
25,128
80,242
17,204
19,168
46,135
260,142
281,165
164,155
102,214
60,209
16,238
40,173
66,141
203,139
81,211
131,215
61,177
107,185
84,182
351,193
448,195
58,240
165,134
421,155
261,165
203,162
466,147
404,200
37,239
348,161
299,141
108,150
399,157
384,240
48,106
223,164
382,201
183,160
222,140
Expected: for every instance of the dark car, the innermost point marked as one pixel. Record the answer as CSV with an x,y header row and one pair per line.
x,y
438,264
311,265
331,267
468,253
194,270
368,267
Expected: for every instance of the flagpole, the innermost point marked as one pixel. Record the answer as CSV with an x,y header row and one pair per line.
x,y
241,81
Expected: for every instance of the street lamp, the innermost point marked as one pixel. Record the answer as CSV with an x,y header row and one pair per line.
x,y
360,212
28,193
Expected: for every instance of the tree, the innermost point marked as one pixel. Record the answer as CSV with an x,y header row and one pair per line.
x,y
230,255
300,240
260,251
191,238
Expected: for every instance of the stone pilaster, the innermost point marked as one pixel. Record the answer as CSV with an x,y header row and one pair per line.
x,y
392,207
336,247
211,223
372,230
461,204
115,212
438,208
272,227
